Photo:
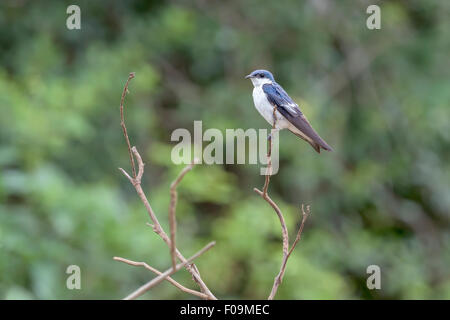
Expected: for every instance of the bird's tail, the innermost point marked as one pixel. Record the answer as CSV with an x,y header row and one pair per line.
x,y
317,145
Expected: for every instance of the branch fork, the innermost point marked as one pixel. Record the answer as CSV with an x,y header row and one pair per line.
x,y
135,180
284,231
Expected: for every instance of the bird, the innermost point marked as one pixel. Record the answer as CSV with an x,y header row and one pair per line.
x,y
268,94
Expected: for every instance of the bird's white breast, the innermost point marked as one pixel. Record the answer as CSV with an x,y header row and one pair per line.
x,y
265,108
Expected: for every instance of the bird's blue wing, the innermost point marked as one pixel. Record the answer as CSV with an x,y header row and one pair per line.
x,y
290,110
278,97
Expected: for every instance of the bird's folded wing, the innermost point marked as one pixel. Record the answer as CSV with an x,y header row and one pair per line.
x,y
278,97
290,110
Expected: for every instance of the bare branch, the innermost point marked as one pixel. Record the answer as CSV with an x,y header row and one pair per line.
x,y
171,280
305,215
280,217
141,164
156,226
167,273
172,210
286,252
191,268
126,175
122,122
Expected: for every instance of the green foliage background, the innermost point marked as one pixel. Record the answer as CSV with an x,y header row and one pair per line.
x,y
380,98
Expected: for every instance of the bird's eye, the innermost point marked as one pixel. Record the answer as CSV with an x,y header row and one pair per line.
x,y
261,75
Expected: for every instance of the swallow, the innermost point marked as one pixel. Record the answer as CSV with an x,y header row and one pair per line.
x,y
267,95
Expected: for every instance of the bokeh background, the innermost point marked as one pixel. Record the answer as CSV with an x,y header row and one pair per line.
x,y
379,97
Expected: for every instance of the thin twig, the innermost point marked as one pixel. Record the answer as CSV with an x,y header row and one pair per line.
x,y
269,155
280,275
264,194
122,122
167,273
305,215
171,280
172,210
156,226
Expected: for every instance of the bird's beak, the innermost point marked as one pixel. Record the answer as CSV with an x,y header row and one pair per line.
x,y
248,76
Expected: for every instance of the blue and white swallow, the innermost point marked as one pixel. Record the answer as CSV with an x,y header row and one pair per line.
x,y
267,95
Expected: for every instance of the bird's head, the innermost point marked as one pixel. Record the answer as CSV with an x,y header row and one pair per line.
x,y
260,77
